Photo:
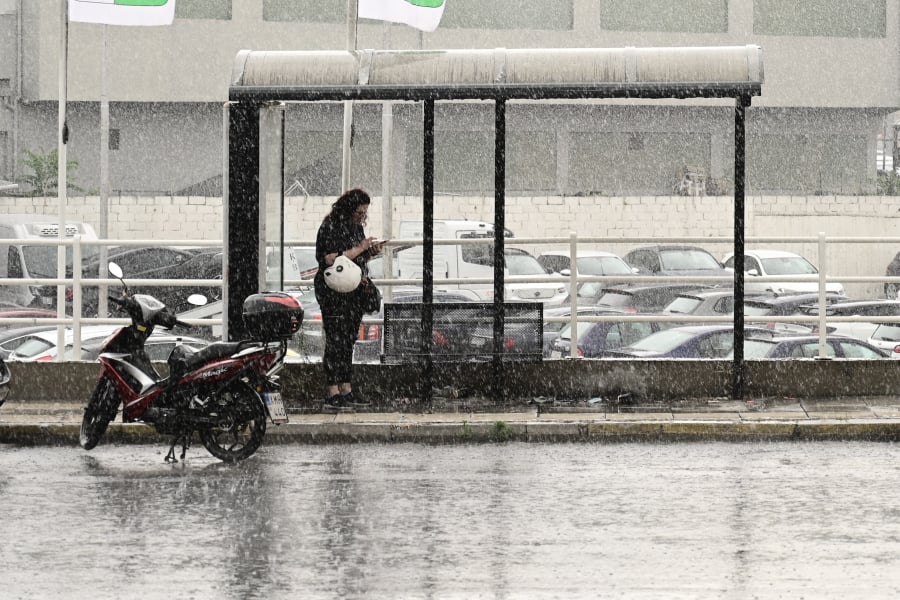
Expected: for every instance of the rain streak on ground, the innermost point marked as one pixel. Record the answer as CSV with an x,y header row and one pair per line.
x,y
693,520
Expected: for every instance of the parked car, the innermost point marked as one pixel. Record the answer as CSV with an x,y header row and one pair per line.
x,y
483,335
9,310
475,261
311,339
158,346
779,306
589,262
704,302
870,309
887,337
152,262
663,259
641,298
552,329
807,346
693,341
39,343
597,340
12,338
775,263
306,261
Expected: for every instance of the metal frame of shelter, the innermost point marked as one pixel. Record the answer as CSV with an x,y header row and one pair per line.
x,y
261,78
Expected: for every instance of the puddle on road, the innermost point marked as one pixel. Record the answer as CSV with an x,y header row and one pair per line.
x,y
696,520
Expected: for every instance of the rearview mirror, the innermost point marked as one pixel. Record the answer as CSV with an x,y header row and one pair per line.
x,y
197,299
115,270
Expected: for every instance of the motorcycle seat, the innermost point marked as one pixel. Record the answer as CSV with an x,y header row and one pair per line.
x,y
183,359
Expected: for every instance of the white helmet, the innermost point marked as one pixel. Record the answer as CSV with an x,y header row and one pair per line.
x,y
344,275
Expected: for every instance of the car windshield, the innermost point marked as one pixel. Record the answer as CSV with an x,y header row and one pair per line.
x,y
603,265
41,260
306,258
887,332
687,260
755,348
757,310
376,268
683,305
788,265
615,298
662,341
566,332
523,264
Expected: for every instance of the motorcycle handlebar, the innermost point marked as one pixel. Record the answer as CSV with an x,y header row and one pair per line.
x,y
182,324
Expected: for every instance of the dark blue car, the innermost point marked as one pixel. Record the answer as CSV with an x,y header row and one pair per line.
x,y
700,341
807,346
597,340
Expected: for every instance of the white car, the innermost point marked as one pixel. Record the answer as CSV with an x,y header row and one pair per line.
x,y
775,263
589,262
39,343
887,337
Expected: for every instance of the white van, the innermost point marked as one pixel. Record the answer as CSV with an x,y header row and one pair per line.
x,y
21,260
475,261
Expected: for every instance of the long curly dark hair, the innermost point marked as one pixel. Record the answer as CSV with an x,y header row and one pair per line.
x,y
344,207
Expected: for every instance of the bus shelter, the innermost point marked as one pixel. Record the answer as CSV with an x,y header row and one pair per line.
x,y
262,81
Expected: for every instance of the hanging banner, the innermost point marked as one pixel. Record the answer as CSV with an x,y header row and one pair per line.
x,y
421,14
123,12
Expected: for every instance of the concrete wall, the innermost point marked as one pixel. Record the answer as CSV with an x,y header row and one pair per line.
x,y
566,379
192,218
835,79
809,61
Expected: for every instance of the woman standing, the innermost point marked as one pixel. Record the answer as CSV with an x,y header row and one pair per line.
x,y
341,234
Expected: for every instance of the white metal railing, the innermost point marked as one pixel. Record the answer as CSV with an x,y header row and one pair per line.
x,y
572,241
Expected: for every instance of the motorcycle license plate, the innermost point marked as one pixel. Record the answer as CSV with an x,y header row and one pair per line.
x,y
276,407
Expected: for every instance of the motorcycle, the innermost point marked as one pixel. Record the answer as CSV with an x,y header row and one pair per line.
x,y
225,392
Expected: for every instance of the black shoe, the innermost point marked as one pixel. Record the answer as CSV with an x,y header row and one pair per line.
x,y
336,404
349,400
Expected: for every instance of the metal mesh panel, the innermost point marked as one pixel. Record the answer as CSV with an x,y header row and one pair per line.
x,y
462,331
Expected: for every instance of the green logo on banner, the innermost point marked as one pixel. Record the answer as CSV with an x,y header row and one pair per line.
x,y
427,3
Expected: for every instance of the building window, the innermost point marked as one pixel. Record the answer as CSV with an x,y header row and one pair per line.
x,y
307,11
509,14
113,139
826,18
203,9
687,16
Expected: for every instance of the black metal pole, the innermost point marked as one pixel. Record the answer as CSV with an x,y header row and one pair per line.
x,y
427,378
242,241
740,141
498,380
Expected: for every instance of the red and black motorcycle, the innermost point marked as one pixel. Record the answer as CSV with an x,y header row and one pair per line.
x,y
225,392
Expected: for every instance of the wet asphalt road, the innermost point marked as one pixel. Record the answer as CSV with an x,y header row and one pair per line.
x,y
691,520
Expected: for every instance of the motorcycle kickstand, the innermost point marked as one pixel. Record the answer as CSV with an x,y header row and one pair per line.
x,y
185,444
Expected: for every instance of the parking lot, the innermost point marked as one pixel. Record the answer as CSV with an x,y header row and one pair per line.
x,y
620,300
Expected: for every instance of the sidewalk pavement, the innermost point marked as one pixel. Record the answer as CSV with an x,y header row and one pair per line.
x,y
875,418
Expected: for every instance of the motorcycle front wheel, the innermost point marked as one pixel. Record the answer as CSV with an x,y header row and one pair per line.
x,y
240,427
101,409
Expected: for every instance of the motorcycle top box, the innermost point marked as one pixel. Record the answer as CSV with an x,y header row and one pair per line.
x,y
272,316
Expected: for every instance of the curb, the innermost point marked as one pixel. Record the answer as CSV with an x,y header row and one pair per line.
x,y
480,432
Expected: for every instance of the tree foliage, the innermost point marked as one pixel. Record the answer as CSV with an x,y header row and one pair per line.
x,y
44,177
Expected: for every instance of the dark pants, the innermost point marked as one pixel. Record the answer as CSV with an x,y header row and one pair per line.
x,y
341,326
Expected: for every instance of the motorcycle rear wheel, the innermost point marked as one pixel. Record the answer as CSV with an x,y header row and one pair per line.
x,y
242,425
101,409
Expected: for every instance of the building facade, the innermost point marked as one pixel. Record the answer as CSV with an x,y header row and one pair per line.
x,y
831,82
